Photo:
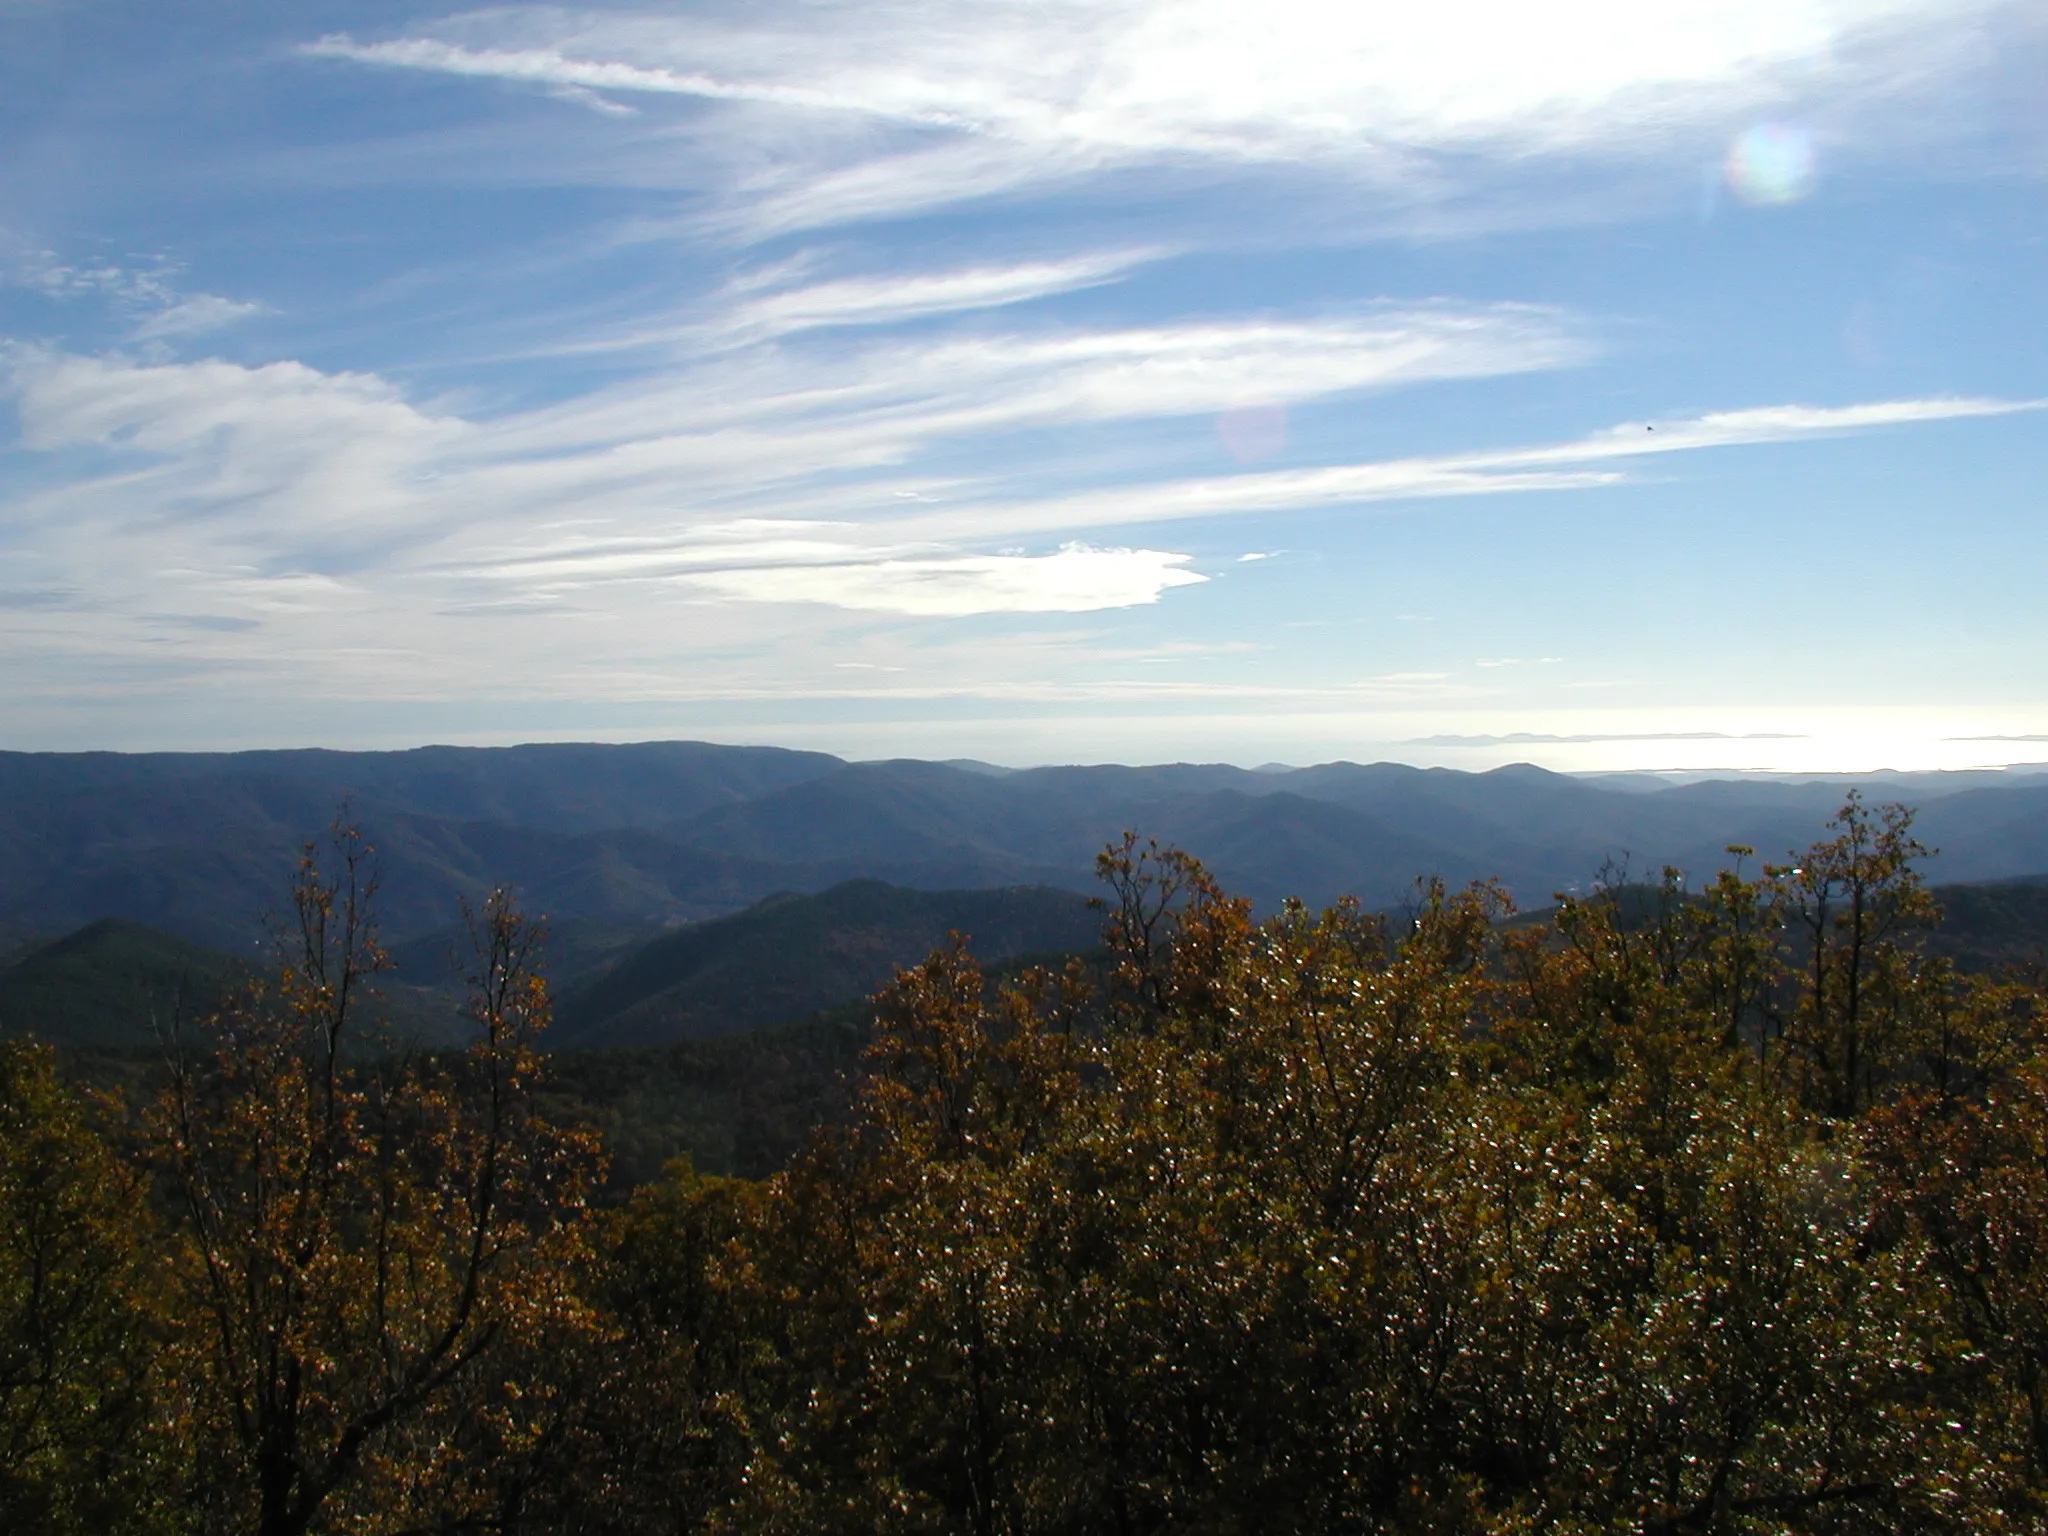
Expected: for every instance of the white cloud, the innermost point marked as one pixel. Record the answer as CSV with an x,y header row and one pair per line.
x,y
1211,75
323,504
771,415
996,95
1484,472
66,401
1076,579
148,291
896,297
274,462
770,304
552,68
196,315
1766,424
130,286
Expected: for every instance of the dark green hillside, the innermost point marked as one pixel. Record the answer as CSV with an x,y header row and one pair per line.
x,y
736,1104
740,1103
573,948
791,956
2003,923
111,985
16,940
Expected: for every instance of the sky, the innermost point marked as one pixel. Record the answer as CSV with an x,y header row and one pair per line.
x,y
1604,385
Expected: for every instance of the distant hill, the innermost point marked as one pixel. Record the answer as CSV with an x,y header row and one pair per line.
x,y
792,955
571,949
116,985
727,1039
112,985
651,836
1998,924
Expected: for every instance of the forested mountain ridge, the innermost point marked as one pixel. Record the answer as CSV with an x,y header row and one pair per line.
x,y
115,983
112,985
795,955
669,832
1710,1206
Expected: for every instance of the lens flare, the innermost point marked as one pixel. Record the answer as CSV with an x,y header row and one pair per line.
x,y
1253,432
1771,165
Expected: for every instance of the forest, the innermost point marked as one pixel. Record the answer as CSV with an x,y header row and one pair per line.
x,y
1684,1207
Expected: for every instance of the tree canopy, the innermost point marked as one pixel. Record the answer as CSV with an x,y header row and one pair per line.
x,y
1711,1209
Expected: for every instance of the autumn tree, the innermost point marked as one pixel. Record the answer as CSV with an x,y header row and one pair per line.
x,y
1308,1224
1681,1210
1857,901
370,1243
85,1439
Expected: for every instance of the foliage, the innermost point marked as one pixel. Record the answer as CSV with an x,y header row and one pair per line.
x,y
1307,1224
1712,1210
80,1320
367,1258
113,984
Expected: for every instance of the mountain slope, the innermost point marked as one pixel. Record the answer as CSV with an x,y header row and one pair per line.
x,y
794,955
113,985
663,833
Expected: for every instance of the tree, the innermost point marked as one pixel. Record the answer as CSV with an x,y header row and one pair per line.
x,y
1301,1224
1857,899
84,1446
369,1244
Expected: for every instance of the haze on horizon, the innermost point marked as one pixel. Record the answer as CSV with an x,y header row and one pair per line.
x,y
1594,384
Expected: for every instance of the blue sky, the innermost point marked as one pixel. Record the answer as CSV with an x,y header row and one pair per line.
x,y
1597,384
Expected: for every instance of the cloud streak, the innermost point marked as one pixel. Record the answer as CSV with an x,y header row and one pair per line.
x,y
896,297
770,495
196,315
984,101
1077,579
1555,467
551,67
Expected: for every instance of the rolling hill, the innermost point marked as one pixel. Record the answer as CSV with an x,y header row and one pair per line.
x,y
654,835
791,956
113,985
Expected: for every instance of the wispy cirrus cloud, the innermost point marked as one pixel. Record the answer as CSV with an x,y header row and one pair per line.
x,y
1078,578
786,299
146,292
1006,95
570,596
1767,424
551,67
1179,75
891,298
196,315
733,483
1571,465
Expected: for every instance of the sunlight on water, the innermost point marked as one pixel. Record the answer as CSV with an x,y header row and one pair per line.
x,y
1771,164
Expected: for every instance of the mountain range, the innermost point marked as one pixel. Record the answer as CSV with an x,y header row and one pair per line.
x,y
627,840
726,1039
